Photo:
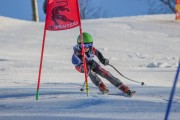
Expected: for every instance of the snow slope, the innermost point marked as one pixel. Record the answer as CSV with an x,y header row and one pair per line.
x,y
144,48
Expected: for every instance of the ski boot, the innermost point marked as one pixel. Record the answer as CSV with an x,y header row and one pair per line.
x,y
103,88
126,90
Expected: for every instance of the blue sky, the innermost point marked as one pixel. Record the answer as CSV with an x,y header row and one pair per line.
x,y
22,9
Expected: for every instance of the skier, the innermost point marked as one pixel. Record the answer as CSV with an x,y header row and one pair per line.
x,y
93,68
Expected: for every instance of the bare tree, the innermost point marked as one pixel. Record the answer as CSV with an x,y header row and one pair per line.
x,y
87,10
45,6
35,10
152,9
161,6
170,4
83,4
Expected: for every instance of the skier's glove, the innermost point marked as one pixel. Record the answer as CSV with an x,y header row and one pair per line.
x,y
105,61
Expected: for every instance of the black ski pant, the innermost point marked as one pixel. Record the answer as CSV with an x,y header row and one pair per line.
x,y
96,69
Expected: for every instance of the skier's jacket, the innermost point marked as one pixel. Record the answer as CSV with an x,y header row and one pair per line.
x,y
77,57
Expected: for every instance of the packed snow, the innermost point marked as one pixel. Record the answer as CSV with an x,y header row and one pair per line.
x,y
143,48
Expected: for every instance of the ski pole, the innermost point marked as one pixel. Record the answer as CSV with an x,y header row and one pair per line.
x,y
142,83
82,89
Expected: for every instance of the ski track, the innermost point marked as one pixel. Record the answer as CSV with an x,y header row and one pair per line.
x,y
66,98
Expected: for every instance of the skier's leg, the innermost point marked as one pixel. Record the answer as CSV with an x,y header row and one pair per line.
x,y
107,75
113,80
97,81
94,78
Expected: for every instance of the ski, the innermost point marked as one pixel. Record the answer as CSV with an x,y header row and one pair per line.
x,y
130,94
125,95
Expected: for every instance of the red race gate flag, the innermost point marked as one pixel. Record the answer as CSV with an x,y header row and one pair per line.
x,y
62,14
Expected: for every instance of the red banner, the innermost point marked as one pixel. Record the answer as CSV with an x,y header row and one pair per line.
x,y
177,1
62,14
177,9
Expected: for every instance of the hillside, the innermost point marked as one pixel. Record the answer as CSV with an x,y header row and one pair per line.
x,y
144,48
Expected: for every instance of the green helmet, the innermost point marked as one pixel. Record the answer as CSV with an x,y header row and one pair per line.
x,y
87,38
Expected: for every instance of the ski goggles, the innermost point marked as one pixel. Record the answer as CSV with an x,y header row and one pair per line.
x,y
87,45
